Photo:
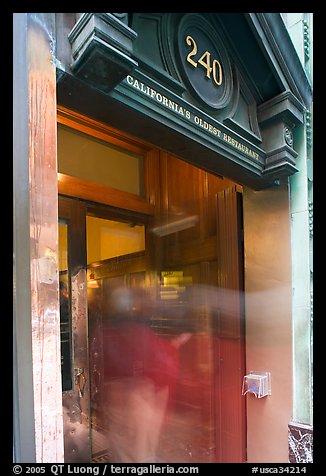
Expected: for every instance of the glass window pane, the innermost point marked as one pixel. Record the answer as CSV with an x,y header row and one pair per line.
x,y
109,239
65,319
89,158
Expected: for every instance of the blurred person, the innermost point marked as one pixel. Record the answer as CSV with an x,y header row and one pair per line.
x,y
141,371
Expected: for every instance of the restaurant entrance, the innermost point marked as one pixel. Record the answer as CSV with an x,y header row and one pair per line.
x,y
173,232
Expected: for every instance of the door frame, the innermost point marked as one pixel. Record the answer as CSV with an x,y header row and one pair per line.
x,y
76,401
230,351
123,204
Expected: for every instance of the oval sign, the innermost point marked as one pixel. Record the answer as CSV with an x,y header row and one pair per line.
x,y
204,65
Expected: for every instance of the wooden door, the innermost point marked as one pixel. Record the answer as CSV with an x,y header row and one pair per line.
x,y
193,239
74,332
87,275
229,336
200,222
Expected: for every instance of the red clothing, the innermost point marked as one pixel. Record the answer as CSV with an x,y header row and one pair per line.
x,y
130,348
140,373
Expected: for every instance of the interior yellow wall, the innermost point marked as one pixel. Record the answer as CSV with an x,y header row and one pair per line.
x,y
268,320
107,239
82,156
63,247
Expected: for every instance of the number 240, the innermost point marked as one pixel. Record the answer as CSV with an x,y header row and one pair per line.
x,y
212,67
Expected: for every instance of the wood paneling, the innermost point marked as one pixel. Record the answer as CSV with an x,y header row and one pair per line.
x,y
229,338
94,192
121,265
78,188
99,130
187,191
210,253
214,186
194,251
181,195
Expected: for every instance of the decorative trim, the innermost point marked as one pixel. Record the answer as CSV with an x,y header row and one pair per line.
x,y
162,76
309,129
288,136
241,88
311,219
306,40
86,125
167,74
311,311
285,106
279,44
121,16
106,19
102,47
95,192
166,37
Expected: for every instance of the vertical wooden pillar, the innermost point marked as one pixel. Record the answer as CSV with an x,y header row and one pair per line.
x,y
23,399
44,238
43,280
231,405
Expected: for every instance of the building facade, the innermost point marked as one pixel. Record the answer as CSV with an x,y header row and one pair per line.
x,y
300,27
171,151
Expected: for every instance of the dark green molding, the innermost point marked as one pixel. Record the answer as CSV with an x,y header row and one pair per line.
x,y
270,91
285,56
277,117
102,48
242,117
122,17
186,130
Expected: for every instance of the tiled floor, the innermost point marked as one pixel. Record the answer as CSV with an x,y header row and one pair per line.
x,y
183,440
100,451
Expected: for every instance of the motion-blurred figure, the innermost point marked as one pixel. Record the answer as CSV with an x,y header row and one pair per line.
x,y
141,369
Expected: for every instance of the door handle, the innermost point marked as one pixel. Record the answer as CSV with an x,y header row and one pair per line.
x,y
96,379
80,380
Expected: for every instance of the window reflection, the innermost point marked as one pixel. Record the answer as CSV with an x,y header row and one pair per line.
x,y
65,321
